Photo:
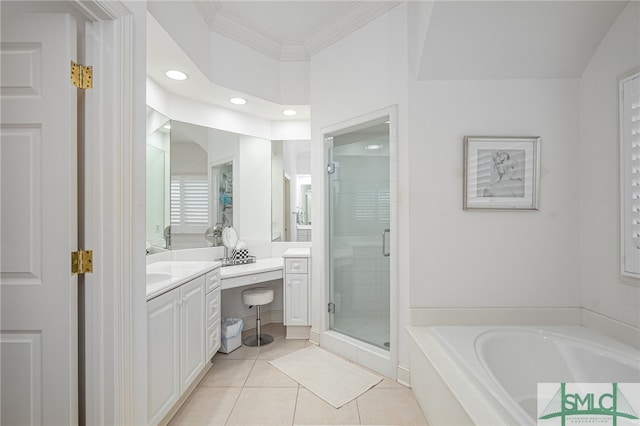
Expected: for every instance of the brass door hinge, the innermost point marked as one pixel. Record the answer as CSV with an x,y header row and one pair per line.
x,y
81,76
81,262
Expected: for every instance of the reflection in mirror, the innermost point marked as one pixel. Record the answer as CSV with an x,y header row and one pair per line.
x,y
189,185
158,154
222,193
217,179
213,178
291,191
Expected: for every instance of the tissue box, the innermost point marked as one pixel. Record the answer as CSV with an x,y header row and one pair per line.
x,y
240,254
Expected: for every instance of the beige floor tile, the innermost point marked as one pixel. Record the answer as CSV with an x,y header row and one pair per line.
x,y
264,406
280,347
389,406
311,410
243,352
275,329
266,375
228,372
207,406
389,383
386,381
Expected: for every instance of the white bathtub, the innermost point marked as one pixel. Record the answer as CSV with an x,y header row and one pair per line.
x,y
489,375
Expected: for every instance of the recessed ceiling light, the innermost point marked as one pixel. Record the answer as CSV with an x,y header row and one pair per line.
x,y
238,101
176,75
373,147
167,126
289,112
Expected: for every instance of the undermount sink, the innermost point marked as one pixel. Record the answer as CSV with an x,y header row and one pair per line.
x,y
157,277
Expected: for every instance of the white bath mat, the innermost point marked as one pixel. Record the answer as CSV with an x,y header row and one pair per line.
x,y
330,377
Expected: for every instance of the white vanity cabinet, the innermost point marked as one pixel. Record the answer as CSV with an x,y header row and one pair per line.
x,y
212,313
296,289
163,348
183,334
192,328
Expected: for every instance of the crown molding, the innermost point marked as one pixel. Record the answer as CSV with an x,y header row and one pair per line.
x,y
209,10
231,27
355,15
294,52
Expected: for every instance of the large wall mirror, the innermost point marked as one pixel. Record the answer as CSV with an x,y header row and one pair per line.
x,y
291,191
158,178
199,178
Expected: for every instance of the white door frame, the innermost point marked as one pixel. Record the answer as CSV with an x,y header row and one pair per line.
x,y
115,325
115,343
377,359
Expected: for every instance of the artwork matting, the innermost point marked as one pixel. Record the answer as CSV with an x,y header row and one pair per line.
x,y
501,172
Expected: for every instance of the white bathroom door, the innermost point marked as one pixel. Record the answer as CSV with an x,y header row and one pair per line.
x,y
38,160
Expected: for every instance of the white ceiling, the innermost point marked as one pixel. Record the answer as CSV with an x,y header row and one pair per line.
x,y
290,30
473,40
163,53
283,30
464,40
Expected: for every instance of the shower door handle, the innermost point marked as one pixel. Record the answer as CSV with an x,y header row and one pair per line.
x,y
385,253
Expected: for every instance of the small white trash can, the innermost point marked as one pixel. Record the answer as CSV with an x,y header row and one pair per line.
x,y
231,334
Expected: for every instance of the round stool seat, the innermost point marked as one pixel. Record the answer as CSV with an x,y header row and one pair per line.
x,y
257,296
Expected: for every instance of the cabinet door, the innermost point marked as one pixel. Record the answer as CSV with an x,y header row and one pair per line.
x,y
192,331
296,299
163,364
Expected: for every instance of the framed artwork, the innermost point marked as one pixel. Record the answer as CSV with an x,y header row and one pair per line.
x,y
501,173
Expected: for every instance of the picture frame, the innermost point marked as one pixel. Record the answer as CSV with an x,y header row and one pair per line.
x,y
501,173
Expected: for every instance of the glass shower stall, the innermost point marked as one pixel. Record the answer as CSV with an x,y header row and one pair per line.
x,y
359,232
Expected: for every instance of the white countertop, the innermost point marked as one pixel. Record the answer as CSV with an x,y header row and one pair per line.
x,y
164,276
262,270
260,265
297,252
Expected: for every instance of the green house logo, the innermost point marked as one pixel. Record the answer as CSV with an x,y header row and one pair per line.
x,y
588,403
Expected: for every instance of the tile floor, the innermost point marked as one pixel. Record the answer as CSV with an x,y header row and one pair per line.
x,y
242,388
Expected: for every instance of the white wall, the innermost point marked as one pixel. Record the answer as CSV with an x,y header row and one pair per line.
x,y
252,192
215,117
229,63
362,73
493,259
188,159
186,26
602,289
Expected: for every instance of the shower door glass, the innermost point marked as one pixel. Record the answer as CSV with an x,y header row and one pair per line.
x,y
359,226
